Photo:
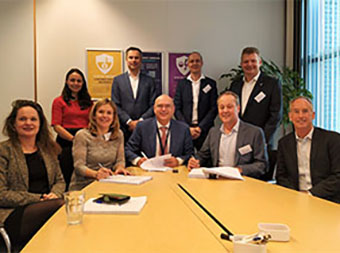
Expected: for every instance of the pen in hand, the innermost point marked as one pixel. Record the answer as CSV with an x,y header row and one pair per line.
x,y
103,172
144,155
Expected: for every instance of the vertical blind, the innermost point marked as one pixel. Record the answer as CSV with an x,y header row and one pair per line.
x,y
321,59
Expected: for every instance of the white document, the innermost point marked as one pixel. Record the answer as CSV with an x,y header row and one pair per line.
x,y
198,173
121,179
156,163
227,172
133,206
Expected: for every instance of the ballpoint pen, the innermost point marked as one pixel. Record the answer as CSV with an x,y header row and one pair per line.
x,y
144,155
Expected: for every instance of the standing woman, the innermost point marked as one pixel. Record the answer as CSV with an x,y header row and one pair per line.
x,y
31,183
70,113
98,151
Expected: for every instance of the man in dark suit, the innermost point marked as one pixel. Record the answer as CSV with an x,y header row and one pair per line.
x,y
309,158
195,100
260,95
133,92
235,143
160,135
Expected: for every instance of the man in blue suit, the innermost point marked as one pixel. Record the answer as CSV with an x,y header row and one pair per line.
x,y
160,135
260,95
195,100
133,92
235,143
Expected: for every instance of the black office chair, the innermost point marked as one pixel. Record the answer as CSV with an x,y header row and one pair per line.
x,y
272,157
5,240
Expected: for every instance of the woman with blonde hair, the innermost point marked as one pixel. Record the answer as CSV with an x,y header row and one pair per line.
x,y
98,151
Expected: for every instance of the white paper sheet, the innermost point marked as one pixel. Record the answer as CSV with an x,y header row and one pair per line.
x,y
121,179
156,163
227,172
133,206
198,173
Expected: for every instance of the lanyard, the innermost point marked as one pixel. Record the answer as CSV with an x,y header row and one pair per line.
x,y
160,140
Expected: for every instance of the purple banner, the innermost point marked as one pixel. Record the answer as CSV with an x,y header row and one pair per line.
x,y
152,66
178,70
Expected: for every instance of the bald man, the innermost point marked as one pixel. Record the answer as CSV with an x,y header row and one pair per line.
x,y
159,136
309,158
195,100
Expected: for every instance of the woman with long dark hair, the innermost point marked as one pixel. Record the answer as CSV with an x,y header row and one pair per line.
x,y
70,113
31,183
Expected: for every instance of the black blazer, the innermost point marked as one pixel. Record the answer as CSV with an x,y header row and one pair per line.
x,y
127,106
267,113
324,164
207,107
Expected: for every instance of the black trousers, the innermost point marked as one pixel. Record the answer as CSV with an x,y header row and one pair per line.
x,y
65,158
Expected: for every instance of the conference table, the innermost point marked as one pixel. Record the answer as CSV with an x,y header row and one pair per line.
x,y
172,222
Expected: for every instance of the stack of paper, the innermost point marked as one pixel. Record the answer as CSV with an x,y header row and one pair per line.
x,y
120,179
198,173
156,163
227,172
133,206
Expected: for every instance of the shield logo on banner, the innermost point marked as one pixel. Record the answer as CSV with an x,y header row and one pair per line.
x,y
181,64
104,63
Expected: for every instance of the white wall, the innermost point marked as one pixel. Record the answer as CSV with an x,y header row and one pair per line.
x,y
218,29
16,50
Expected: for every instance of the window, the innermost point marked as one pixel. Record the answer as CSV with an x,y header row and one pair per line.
x,y
321,59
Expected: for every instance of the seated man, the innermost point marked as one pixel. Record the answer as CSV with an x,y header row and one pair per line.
x,y
309,159
235,143
159,136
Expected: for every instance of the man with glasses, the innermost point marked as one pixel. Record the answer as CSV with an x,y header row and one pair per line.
x,y
160,135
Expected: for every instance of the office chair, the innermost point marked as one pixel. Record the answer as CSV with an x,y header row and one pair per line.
x,y
5,237
269,175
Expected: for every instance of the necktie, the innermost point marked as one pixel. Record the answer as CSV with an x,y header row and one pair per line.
x,y
163,139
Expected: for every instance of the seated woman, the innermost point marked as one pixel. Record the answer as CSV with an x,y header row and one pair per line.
x,y
31,183
70,113
98,151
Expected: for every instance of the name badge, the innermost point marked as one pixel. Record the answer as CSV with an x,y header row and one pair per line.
x,y
245,149
207,88
260,97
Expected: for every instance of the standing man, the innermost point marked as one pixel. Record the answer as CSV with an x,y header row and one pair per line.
x,y
233,144
159,136
133,92
309,158
195,100
260,95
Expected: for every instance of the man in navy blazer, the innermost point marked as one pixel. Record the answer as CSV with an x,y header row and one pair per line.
x,y
235,143
134,93
147,138
195,100
260,95
309,158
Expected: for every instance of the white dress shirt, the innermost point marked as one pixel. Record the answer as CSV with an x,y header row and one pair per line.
x,y
195,95
246,91
227,148
134,81
303,147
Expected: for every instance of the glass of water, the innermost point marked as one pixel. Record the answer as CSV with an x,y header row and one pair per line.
x,y
74,205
